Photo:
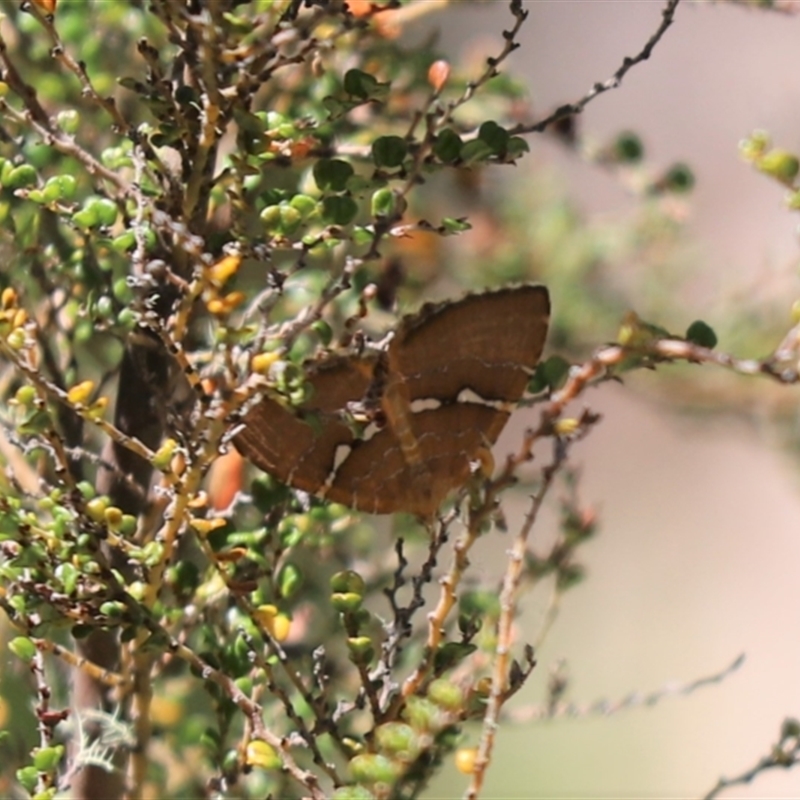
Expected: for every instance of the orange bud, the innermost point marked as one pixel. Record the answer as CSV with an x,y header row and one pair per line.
x,y
438,73
302,148
359,8
48,6
225,479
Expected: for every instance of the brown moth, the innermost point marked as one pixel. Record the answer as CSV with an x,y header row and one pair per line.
x,y
439,395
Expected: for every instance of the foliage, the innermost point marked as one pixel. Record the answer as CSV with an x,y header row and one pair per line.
x,y
196,200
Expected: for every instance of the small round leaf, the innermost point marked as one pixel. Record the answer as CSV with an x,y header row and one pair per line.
x,y
474,151
360,84
339,209
22,647
332,174
447,147
495,136
383,203
701,334
389,151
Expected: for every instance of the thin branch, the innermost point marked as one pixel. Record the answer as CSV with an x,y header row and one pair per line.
x,y
323,720
667,18
785,754
297,721
254,713
508,606
400,628
437,618
47,388
605,708
492,63
97,672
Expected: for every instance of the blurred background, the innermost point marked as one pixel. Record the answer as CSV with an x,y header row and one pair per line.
x,y
698,552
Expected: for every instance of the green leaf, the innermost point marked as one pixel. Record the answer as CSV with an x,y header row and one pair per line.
x,y
132,85
38,421
339,209
267,493
69,121
28,778
68,575
550,374
569,575
112,608
335,108
495,136
362,85
291,218
476,150
373,768
780,164
23,648
323,331
106,211
361,649
186,95
21,177
59,187
383,203
479,603
517,146
290,580
679,179
754,146
628,148
46,759
5,171
362,235
348,580
332,174
389,151
450,654
452,225
89,215
352,793
701,334
305,204
447,147
271,217
124,242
